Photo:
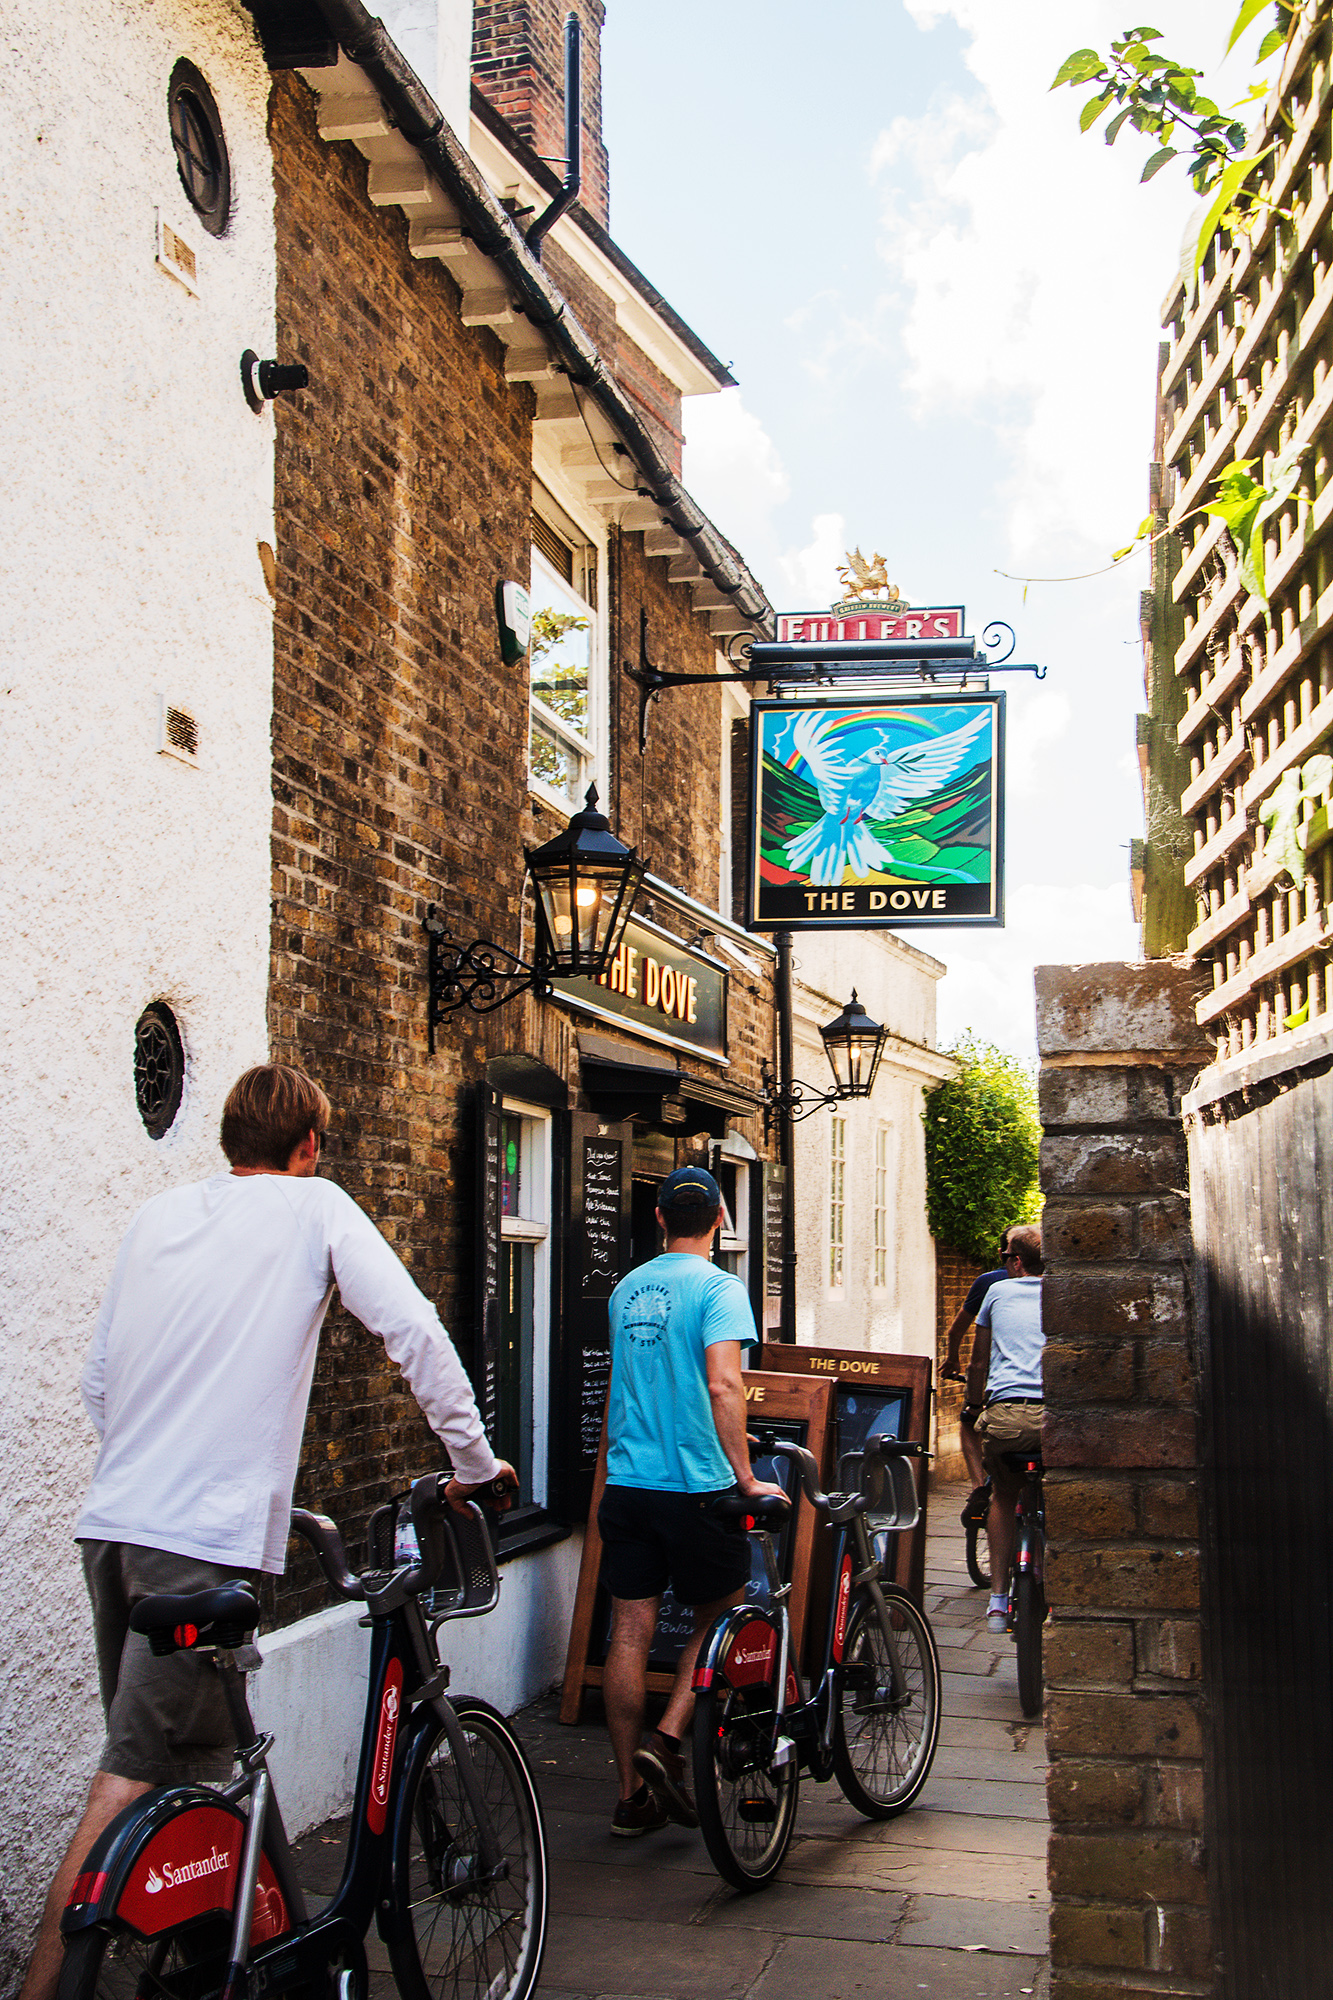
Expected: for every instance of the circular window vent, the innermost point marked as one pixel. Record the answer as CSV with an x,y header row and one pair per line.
x,y
201,150
159,1068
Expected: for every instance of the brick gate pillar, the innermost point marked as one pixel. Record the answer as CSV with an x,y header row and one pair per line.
x,y
1119,1047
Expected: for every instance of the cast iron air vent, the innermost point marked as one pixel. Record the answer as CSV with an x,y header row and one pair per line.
x,y
201,150
159,1068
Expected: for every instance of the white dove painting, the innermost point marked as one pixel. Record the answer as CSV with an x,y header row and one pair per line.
x,y
877,799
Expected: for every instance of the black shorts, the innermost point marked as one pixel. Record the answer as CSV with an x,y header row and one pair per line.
x,y
650,1539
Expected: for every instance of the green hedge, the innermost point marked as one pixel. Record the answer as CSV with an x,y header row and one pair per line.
x,y
982,1142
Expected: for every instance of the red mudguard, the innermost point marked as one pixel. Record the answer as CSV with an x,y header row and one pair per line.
x,y
167,1860
742,1650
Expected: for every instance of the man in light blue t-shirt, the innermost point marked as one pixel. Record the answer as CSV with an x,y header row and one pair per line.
x,y
676,1431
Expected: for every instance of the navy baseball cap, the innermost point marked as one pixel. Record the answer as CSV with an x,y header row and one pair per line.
x,y
690,1184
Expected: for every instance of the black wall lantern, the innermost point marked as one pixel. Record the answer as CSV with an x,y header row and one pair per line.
x,y
853,1044
585,882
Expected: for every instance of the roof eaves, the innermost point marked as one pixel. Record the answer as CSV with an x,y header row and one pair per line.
x,y
537,169
418,118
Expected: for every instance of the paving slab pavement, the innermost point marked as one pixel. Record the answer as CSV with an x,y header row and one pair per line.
x,y
949,1900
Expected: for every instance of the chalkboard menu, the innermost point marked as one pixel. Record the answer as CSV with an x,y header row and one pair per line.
x,y
598,1247
486,1339
603,1170
775,1209
767,1212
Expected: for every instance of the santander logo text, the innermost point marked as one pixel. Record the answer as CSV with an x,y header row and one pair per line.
x,y
175,1876
382,1769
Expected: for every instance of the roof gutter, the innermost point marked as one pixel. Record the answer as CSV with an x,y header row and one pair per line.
x,y
417,116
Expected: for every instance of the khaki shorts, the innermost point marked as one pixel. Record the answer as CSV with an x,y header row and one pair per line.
x,y
1008,1427
166,1719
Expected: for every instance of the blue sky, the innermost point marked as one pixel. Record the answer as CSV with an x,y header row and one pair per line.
x,y
942,306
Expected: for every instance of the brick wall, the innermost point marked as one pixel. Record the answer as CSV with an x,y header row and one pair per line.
x,y
518,60
954,1274
1124,1697
404,483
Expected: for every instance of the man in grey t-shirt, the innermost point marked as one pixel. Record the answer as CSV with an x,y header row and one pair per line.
x,y
1011,1420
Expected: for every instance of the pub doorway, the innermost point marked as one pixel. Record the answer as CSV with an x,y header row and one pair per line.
x,y
645,1236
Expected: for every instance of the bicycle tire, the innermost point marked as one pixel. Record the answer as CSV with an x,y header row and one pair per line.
x,y
1029,1617
747,1810
453,1935
979,1576
102,1963
883,1747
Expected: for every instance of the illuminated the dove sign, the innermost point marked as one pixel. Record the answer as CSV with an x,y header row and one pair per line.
x,y
877,814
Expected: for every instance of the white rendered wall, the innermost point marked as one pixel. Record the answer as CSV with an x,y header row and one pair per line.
x,y
136,489
311,1690
896,984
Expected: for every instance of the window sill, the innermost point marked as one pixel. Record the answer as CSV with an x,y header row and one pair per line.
x,y
527,1530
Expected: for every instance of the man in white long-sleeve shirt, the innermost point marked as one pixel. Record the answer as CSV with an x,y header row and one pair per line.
x,y
197,1382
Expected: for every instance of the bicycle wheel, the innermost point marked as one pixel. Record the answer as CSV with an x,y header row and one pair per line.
x,y
887,1725
104,1964
457,1934
1029,1617
979,1576
747,1809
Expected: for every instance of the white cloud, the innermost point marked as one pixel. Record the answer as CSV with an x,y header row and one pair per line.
x,y
1045,718
734,469
811,573
989,985
1032,264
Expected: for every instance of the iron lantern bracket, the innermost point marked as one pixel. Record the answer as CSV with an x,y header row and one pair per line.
x,y
797,1101
479,975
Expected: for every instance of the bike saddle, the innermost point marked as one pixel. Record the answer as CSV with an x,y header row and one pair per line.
x,y
1019,1461
766,1510
224,1617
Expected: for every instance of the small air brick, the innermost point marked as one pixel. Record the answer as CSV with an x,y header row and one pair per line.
x,y
178,734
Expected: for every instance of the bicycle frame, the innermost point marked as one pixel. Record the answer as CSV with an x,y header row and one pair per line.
x,y
1030,1537
144,1865
803,1722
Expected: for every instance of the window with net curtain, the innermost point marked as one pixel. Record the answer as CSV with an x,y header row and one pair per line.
x,y
563,654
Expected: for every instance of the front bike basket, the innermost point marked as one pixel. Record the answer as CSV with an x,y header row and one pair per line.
x,y
889,1485
468,1584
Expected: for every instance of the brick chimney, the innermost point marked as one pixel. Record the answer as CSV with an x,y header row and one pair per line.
x,y
518,61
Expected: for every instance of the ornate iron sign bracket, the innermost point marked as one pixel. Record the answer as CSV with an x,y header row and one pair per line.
x,y
903,662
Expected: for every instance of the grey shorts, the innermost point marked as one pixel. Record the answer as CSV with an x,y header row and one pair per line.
x,y
166,1720
1008,1427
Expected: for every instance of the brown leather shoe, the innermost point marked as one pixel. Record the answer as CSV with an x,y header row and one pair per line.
x,y
663,1769
641,1814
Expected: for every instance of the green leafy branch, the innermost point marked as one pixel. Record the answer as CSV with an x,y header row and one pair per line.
x,y
1159,97
1244,503
548,629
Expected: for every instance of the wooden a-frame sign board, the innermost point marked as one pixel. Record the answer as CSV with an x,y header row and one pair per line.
x,y
779,1397
867,1374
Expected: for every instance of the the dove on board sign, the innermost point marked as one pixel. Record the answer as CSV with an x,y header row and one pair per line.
x,y
878,785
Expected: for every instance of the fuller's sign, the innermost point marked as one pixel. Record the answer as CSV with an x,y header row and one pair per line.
x,y
883,814
848,622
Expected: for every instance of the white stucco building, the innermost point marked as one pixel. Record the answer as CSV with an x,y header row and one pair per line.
x,y
137,494
865,1273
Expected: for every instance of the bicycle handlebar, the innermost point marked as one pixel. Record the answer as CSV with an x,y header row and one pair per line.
x,y
324,1539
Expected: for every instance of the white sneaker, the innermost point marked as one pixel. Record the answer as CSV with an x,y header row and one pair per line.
x,y
997,1617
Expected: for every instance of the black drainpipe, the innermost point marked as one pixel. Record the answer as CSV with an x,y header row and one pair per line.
x,y
573,142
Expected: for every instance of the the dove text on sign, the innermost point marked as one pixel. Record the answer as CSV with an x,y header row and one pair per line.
x,y
884,814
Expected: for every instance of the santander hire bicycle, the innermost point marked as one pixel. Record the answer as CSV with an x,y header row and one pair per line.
x,y
191,1893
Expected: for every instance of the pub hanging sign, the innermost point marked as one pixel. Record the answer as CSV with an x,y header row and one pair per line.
x,y
877,814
